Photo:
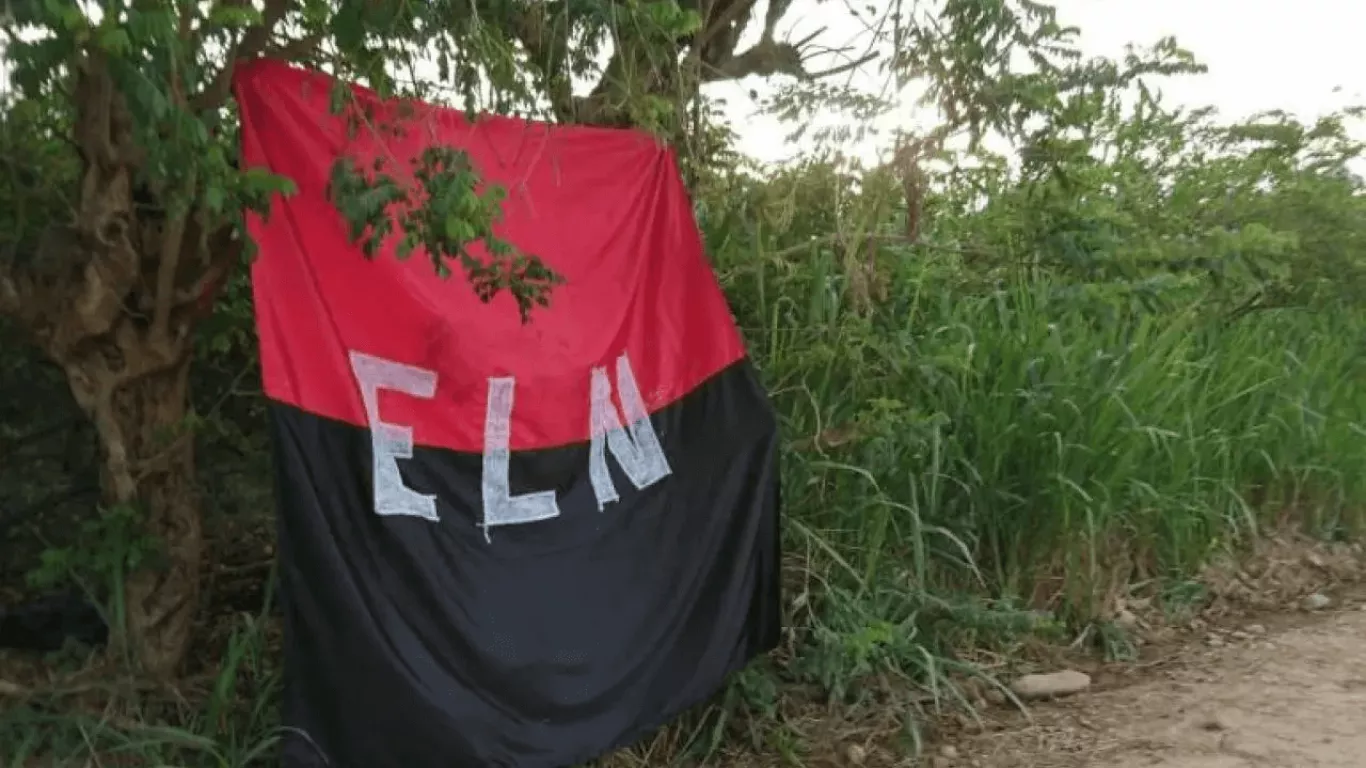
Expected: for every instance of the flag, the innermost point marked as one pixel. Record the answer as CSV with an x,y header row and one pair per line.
x,y
503,544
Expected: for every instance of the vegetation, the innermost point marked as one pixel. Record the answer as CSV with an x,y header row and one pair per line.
x,y
1014,387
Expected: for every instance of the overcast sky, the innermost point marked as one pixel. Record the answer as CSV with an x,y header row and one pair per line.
x,y
1262,54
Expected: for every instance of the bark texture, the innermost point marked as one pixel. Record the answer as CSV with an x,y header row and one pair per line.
x,y
110,297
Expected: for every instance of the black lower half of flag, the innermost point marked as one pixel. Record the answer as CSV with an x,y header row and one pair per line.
x,y
610,593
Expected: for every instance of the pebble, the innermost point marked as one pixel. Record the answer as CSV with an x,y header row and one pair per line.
x,y
1042,686
1316,602
1216,721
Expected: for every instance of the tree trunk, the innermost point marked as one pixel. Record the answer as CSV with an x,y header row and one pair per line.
x,y
111,297
140,410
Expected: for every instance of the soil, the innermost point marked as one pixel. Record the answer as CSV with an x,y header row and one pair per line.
x,y
1264,688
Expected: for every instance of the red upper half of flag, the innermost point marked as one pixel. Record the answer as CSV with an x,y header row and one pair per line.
x,y
605,208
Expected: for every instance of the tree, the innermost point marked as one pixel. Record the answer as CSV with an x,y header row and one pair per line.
x,y
126,201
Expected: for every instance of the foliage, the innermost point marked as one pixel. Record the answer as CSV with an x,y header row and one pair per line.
x,y
139,220
1016,389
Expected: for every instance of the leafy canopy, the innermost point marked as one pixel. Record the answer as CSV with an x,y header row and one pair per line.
x,y
144,86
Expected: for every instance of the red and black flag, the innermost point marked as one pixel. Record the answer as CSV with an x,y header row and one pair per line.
x,y
503,544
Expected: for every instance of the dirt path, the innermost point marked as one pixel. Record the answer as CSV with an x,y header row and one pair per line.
x,y
1292,696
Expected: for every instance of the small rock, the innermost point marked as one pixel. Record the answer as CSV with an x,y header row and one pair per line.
x,y
1256,629
1215,722
994,696
1214,641
949,751
1316,602
855,754
1126,620
1240,634
1062,683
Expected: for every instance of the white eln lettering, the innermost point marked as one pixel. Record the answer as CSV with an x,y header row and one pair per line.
x,y
391,442
636,446
639,452
500,506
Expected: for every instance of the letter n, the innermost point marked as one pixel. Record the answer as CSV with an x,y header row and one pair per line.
x,y
636,447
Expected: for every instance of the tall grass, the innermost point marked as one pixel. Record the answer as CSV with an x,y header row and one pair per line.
x,y
1032,445
967,462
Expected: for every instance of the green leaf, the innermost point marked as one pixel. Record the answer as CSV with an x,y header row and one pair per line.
x,y
214,199
235,16
113,40
458,229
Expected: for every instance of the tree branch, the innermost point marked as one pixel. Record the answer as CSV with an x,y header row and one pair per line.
x,y
764,58
252,44
840,69
296,49
767,57
733,12
226,250
172,243
545,49
712,50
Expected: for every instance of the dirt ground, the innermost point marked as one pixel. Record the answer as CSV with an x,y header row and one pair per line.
x,y
1290,693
